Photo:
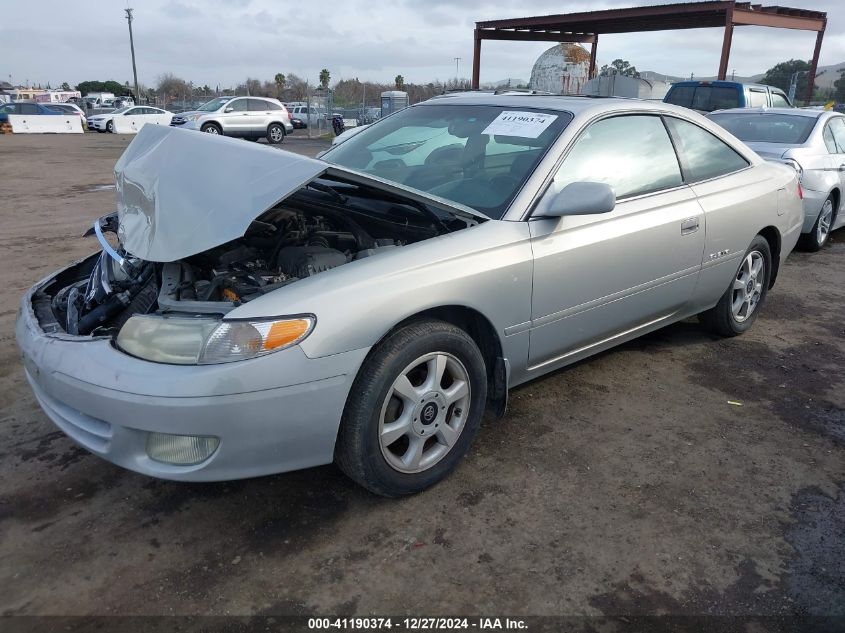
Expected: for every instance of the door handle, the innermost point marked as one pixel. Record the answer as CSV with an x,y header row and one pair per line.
x,y
690,225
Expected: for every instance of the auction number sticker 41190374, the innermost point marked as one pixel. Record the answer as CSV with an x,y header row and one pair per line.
x,y
522,124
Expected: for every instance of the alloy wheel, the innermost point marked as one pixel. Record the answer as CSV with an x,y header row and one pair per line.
x,y
825,220
276,134
748,286
424,412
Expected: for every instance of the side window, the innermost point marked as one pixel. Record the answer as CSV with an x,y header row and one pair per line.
x,y
269,105
757,98
779,100
632,154
681,95
702,154
837,127
237,105
29,108
829,141
257,105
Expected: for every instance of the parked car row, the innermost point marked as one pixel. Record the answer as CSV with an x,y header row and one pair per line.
x,y
264,311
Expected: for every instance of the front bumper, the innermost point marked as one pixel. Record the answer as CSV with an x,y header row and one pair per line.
x,y
96,124
272,414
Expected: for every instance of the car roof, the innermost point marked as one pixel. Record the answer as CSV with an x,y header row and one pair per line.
x,y
719,82
814,114
573,104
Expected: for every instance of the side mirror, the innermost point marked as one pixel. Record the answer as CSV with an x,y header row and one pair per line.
x,y
579,198
229,110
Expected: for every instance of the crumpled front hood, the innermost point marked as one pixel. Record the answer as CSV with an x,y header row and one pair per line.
x,y
181,192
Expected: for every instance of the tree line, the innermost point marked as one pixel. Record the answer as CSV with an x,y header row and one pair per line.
x,y
283,86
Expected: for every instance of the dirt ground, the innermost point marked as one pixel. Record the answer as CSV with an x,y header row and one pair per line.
x,y
625,485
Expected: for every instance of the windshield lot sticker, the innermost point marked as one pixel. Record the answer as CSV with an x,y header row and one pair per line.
x,y
524,124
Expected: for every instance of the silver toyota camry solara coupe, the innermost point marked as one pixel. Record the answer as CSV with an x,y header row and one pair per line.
x,y
259,311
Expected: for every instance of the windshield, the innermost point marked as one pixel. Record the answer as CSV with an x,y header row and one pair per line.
x,y
784,129
214,104
705,98
478,156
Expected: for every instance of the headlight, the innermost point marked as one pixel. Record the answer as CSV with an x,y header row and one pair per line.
x,y
202,341
796,166
194,117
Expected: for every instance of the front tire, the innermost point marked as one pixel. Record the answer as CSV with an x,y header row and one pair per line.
x,y
275,134
817,238
110,127
739,306
413,409
211,128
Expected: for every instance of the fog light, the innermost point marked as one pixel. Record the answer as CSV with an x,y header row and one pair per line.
x,y
181,450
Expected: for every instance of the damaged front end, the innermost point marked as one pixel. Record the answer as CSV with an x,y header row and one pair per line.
x,y
179,264
117,287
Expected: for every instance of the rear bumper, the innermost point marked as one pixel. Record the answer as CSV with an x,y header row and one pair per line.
x,y
813,201
272,414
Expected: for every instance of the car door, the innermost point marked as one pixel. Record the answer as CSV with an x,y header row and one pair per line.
x,y
234,116
733,196
259,115
836,125
600,277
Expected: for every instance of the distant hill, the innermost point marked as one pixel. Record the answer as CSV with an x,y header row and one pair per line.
x,y
825,76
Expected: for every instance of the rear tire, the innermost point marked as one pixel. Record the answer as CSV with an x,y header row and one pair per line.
x,y
739,306
402,430
817,237
275,133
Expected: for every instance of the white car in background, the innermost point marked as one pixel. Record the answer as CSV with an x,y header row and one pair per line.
x,y
129,120
70,108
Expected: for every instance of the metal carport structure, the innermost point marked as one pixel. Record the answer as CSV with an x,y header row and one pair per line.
x,y
586,27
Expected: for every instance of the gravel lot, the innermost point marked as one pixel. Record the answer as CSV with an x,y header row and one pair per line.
x,y
627,484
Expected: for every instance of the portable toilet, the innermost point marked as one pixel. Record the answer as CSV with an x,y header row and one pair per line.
x,y
393,101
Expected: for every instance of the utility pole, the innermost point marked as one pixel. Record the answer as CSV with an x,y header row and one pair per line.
x,y
457,63
132,48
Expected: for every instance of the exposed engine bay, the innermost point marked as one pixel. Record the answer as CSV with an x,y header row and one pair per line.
x,y
313,231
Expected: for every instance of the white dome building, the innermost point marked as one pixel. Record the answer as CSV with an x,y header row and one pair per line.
x,y
563,69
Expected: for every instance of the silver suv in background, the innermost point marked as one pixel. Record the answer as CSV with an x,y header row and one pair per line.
x,y
245,117
812,142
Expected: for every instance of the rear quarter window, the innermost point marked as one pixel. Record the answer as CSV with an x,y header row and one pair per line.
x,y
703,155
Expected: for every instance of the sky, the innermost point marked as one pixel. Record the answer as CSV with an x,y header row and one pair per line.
x,y
221,42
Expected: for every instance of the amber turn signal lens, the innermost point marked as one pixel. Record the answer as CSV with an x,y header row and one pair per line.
x,y
285,332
